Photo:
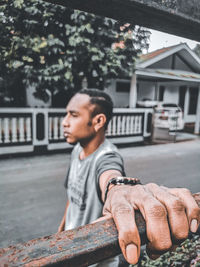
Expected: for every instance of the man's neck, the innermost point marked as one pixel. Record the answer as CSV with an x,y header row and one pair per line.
x,y
91,146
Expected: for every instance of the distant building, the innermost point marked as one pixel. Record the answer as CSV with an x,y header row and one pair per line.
x,y
170,74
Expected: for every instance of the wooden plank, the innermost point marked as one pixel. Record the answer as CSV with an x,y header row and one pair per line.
x,y
179,17
79,247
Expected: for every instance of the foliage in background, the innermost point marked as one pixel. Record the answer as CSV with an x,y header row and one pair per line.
x,y
188,254
51,47
167,3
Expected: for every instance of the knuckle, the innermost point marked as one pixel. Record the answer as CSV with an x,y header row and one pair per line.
x,y
160,246
196,213
119,209
163,246
151,185
126,234
197,210
175,204
185,191
182,235
157,211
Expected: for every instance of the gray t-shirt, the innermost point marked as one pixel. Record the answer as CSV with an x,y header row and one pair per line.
x,y
82,184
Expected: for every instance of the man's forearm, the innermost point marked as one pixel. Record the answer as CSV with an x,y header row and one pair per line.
x,y
62,224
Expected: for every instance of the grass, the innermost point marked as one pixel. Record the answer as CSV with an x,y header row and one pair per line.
x,y
188,254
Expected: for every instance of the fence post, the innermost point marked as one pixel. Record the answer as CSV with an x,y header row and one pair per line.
x,y
40,128
147,122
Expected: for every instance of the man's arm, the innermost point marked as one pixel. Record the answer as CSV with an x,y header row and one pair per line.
x,y
105,178
169,215
62,224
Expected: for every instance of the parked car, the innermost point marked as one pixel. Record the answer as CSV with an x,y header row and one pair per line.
x,y
146,103
168,115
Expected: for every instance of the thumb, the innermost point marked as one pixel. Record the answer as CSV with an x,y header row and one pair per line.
x,y
107,216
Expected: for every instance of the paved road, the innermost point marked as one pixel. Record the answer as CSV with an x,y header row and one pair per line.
x,y
32,197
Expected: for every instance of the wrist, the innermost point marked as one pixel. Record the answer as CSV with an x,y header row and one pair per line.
x,y
120,180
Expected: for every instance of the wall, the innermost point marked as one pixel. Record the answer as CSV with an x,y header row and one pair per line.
x,y
120,99
166,63
180,65
162,64
146,90
31,101
171,94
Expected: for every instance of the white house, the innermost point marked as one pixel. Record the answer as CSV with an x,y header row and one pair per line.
x,y
170,74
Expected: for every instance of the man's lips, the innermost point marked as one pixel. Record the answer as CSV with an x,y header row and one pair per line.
x,y
66,134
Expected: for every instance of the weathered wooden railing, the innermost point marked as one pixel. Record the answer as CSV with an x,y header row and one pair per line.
x,y
26,129
79,247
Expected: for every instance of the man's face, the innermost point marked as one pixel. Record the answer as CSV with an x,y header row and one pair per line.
x,y
77,123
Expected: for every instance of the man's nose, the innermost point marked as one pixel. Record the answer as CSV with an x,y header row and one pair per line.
x,y
65,121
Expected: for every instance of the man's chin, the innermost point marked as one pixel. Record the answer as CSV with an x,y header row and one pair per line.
x,y
71,142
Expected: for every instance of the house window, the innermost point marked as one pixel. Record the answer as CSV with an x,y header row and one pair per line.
x,y
182,92
123,86
193,96
161,93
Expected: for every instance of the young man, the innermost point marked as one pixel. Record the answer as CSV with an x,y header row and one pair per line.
x,y
96,163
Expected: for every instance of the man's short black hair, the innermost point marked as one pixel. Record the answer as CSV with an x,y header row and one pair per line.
x,y
102,101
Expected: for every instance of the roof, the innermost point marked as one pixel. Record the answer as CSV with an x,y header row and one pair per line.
x,y
169,74
182,50
155,53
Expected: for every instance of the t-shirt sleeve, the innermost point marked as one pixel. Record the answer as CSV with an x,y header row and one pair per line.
x,y
109,161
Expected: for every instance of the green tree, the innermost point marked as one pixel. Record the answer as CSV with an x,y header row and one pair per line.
x,y
56,48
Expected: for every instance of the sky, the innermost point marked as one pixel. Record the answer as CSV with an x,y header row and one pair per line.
x,y
160,39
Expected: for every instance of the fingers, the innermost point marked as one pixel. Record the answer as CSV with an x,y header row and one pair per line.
x,y
178,221
192,209
124,218
106,217
129,239
157,227
169,214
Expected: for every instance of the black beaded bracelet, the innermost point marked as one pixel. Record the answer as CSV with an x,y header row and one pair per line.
x,y
121,181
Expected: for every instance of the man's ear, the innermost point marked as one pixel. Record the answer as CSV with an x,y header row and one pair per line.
x,y
99,121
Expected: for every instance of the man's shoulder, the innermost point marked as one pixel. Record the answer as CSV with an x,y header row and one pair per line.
x,y
106,148
110,146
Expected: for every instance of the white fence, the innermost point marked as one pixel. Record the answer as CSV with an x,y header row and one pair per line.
x,y
26,129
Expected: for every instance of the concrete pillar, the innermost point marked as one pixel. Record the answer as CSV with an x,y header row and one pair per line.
x,y
186,104
197,122
156,94
133,92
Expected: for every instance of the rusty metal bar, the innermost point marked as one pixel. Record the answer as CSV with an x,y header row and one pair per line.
x,y
179,17
79,247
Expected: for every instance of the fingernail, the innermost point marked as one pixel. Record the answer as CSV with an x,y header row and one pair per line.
x,y
193,225
131,254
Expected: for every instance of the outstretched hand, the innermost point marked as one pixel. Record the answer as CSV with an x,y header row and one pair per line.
x,y
169,214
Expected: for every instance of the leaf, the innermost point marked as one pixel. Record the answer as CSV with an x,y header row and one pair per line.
x,y
43,44
42,59
16,64
67,75
18,3
28,59
95,58
51,45
60,61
